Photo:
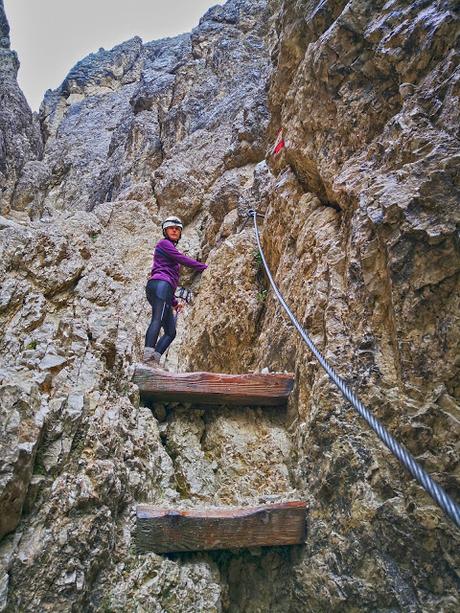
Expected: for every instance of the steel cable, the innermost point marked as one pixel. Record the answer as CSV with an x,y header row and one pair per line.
x,y
439,495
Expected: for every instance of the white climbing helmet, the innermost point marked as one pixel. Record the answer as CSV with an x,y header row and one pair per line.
x,y
170,222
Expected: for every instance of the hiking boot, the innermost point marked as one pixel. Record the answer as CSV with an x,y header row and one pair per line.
x,y
152,358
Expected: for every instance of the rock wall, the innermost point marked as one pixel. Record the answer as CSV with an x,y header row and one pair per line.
x,y
20,137
360,230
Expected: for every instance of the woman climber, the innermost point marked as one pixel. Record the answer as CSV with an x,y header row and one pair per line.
x,y
160,290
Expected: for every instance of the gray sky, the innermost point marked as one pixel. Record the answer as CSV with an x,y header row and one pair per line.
x,y
50,36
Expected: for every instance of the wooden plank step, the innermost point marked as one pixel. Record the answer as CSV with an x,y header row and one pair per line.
x,y
214,388
162,531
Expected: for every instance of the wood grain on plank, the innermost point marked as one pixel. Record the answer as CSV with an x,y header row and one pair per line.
x,y
161,530
214,388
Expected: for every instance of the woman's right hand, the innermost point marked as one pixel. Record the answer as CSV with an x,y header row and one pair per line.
x,y
179,307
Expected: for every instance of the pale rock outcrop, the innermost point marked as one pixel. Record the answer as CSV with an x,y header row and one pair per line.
x,y
131,134
229,286
158,585
168,115
219,458
91,450
20,137
21,426
359,230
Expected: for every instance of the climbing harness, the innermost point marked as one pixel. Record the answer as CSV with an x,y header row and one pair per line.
x,y
439,495
184,294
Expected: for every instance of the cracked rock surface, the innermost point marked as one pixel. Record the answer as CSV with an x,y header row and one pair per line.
x,y
360,230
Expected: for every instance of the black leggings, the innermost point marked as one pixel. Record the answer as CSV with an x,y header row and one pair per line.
x,y
159,294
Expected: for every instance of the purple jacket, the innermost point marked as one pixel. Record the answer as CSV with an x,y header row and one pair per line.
x,y
166,263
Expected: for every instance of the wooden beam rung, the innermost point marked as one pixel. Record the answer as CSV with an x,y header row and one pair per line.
x,y
214,388
162,531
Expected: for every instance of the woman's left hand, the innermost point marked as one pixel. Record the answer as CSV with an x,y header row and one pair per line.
x,y
179,307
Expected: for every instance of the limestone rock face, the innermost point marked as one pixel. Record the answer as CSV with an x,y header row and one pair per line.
x,y
231,287
360,231
20,431
137,120
20,137
77,446
132,134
